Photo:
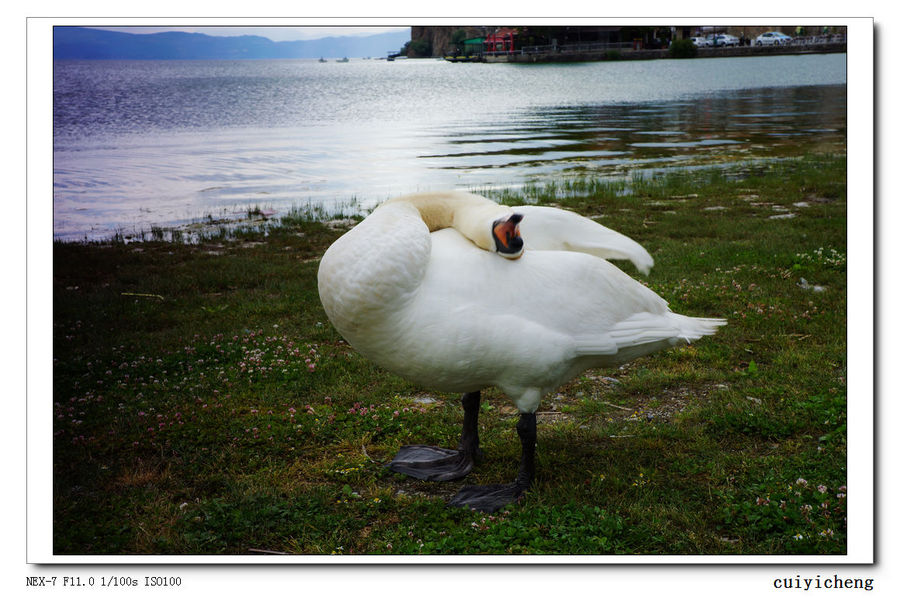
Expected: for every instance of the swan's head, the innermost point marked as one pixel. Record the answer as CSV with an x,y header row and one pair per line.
x,y
505,232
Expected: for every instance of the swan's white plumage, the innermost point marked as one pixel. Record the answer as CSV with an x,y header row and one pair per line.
x,y
444,313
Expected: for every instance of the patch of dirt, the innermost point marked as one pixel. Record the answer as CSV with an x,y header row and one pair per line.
x,y
663,407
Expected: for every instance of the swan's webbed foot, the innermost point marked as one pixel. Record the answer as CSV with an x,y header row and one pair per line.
x,y
494,497
435,464
431,463
488,499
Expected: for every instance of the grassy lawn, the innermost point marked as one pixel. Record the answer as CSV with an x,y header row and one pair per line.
x,y
205,405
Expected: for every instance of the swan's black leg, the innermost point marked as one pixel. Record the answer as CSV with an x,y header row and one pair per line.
x,y
494,497
437,464
468,441
527,429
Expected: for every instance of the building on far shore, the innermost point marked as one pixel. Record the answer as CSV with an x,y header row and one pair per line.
x,y
468,40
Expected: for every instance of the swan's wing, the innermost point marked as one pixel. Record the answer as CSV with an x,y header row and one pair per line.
x,y
552,229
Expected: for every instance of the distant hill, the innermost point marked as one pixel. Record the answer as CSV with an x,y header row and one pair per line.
x,y
84,43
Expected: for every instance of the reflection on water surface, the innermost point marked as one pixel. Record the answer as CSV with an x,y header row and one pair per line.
x,y
164,143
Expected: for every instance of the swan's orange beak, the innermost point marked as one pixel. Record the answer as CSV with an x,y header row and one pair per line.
x,y
506,236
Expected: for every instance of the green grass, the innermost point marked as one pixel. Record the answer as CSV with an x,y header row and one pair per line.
x,y
203,404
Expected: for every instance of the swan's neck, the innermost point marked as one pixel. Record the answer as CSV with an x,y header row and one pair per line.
x,y
471,215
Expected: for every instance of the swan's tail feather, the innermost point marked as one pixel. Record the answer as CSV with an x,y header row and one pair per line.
x,y
643,334
694,328
546,228
646,328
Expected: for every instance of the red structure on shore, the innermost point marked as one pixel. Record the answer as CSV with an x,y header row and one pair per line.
x,y
501,40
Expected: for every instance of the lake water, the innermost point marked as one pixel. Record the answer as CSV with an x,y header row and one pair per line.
x,y
163,143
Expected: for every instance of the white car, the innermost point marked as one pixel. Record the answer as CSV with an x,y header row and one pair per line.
x,y
770,38
723,39
701,42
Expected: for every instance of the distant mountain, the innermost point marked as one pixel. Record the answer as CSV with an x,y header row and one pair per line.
x,y
84,43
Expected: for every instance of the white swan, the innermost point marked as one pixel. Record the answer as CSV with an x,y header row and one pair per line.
x,y
419,288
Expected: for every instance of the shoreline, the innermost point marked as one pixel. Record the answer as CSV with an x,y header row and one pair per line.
x,y
661,54
263,222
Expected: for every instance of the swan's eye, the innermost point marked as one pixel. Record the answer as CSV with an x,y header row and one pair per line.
x,y
506,235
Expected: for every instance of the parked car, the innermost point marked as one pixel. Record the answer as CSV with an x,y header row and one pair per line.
x,y
723,39
700,42
770,38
